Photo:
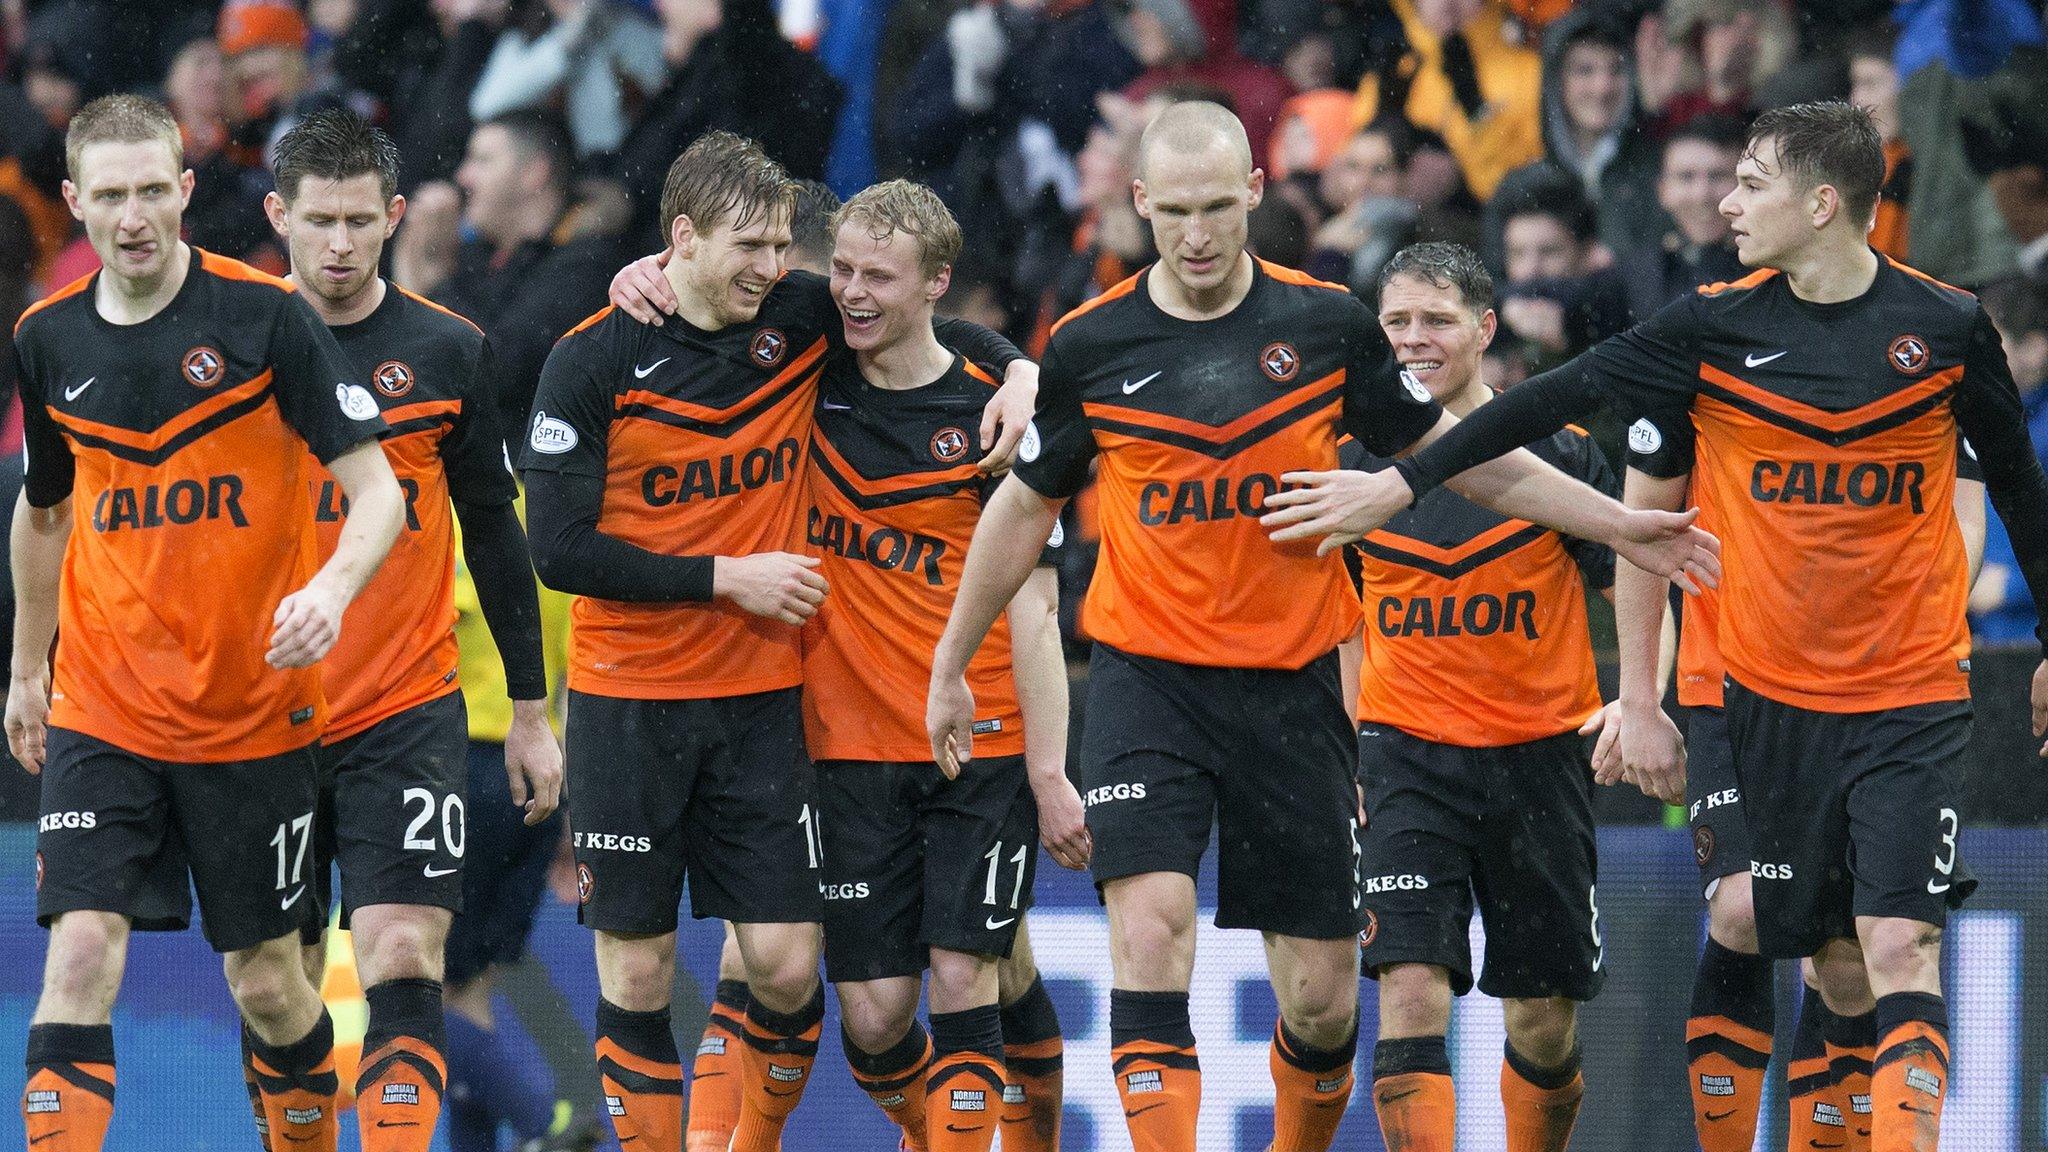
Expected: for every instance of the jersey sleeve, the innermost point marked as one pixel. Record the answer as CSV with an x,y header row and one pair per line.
x,y
473,453
1652,366
1054,456
46,455
1661,443
1385,408
571,421
981,345
1987,405
1588,463
313,384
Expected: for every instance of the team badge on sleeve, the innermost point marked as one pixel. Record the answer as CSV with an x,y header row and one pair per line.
x,y
550,435
356,401
1643,437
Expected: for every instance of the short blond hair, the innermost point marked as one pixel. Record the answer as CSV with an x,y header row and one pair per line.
x,y
122,119
912,209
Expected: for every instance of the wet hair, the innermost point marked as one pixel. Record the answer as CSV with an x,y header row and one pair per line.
x,y
721,173
122,119
1443,265
1826,142
912,209
334,144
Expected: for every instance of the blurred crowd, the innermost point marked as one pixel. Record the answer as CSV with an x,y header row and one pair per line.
x,y
1582,147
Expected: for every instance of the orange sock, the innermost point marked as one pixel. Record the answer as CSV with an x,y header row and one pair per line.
x,y
1158,1074
895,1080
1311,1086
255,1093
1411,1090
1817,1108
1909,1079
403,1073
1851,1052
1728,1046
964,1093
1541,1104
299,1088
1034,1072
642,1077
70,1096
775,1062
715,1077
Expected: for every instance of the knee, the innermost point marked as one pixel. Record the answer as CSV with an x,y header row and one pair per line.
x,y
1415,1000
1543,1031
403,949
266,980
784,976
637,974
1148,939
871,1025
1731,917
1900,954
86,955
958,974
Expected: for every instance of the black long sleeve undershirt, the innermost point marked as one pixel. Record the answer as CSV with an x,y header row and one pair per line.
x,y
572,556
494,547
1533,410
1994,420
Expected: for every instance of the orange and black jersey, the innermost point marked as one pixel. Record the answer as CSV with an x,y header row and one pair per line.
x,y
430,371
1193,423
1475,623
182,442
894,498
1825,439
1661,444
651,450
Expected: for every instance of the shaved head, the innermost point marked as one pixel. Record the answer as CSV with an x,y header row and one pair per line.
x,y
1195,127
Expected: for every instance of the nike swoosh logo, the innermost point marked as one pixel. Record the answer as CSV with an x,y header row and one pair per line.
x,y
1936,890
1752,360
34,1140
1713,1116
430,871
1818,1144
1909,1108
300,1139
1130,387
706,1075
73,393
791,1092
285,904
1131,1115
398,1123
640,373
977,1128
831,407
1393,1096
992,923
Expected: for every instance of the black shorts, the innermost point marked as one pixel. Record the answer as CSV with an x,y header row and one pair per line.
x,y
1263,757
719,789
1850,814
120,832
1510,829
506,873
1713,801
393,810
914,861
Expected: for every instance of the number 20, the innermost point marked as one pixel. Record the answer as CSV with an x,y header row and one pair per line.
x,y
451,821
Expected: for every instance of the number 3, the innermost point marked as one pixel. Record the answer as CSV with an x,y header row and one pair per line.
x,y
1948,843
